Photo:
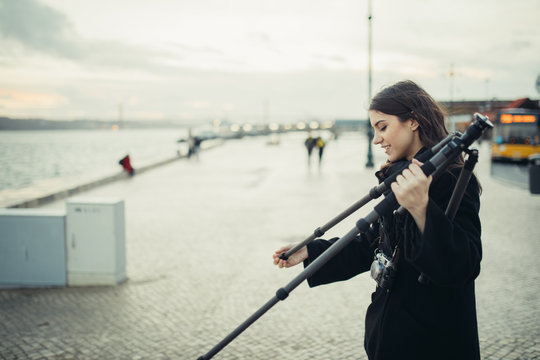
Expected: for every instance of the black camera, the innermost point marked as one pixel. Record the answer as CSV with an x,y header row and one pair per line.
x,y
383,270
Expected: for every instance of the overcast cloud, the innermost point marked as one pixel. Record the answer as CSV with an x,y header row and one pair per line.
x,y
207,59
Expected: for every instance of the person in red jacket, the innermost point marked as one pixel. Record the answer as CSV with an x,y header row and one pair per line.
x,y
409,319
126,165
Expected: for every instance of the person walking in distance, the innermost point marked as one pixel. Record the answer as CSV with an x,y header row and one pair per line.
x,y
408,318
320,143
310,143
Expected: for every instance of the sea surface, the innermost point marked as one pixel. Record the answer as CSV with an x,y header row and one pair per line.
x,y
27,157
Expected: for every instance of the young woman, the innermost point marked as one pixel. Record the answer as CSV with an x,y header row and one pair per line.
x,y
407,318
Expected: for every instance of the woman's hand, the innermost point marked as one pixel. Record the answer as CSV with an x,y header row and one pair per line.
x,y
412,192
294,259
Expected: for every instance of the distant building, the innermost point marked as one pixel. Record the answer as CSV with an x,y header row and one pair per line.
x,y
345,125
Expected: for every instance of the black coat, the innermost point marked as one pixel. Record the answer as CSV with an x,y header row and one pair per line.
x,y
413,320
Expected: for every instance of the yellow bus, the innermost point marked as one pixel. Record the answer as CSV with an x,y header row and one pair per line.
x,y
516,134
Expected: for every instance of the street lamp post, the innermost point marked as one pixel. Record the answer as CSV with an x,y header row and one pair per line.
x,y
452,124
369,163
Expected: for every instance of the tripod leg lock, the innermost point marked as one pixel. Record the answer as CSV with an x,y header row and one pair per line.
x,y
282,294
318,232
362,225
377,191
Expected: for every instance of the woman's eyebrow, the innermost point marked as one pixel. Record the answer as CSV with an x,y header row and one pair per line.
x,y
377,123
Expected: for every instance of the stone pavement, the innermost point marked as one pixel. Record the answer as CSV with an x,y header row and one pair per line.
x,y
199,238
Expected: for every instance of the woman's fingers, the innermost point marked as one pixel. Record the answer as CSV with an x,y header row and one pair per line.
x,y
411,187
282,249
277,260
419,173
415,161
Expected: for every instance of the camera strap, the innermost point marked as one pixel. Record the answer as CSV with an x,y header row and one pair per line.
x,y
395,252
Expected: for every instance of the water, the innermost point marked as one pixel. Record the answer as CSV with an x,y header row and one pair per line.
x,y
30,156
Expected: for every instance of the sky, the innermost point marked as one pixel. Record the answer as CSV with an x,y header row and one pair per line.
x,y
256,60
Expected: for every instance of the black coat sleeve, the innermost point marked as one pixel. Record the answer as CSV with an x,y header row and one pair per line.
x,y
354,259
449,251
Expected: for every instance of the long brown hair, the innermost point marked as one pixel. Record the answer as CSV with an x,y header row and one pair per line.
x,y
407,100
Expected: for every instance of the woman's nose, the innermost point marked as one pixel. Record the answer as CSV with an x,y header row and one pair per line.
x,y
376,139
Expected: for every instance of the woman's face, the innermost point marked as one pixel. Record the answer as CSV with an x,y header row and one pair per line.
x,y
398,139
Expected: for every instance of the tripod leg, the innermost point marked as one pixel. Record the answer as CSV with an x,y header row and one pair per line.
x,y
282,293
457,195
321,230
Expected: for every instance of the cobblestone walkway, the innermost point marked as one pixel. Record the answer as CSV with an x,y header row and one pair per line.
x,y
200,235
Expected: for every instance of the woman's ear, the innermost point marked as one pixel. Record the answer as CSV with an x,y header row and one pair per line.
x,y
413,124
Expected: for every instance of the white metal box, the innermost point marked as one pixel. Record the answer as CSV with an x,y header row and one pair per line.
x,y
32,248
95,241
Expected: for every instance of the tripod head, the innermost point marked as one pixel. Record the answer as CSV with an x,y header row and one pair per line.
x,y
475,130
